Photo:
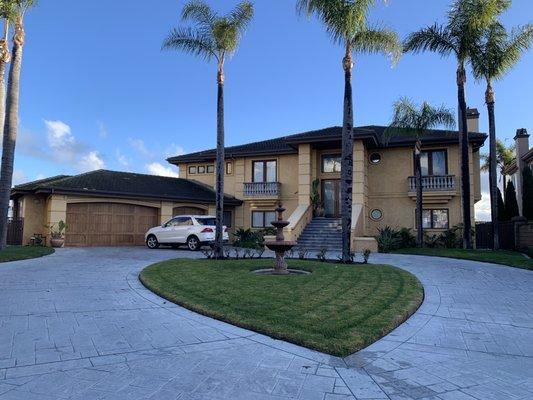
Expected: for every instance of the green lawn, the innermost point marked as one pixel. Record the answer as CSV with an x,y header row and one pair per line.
x,y
338,309
15,253
503,257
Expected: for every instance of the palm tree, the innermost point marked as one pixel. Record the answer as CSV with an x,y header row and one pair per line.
x,y
505,157
7,14
413,121
466,22
19,8
496,53
213,37
346,22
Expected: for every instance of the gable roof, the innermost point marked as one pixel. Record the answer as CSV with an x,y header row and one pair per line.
x,y
125,185
373,135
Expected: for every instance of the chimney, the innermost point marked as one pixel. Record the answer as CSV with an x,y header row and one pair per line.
x,y
522,147
472,116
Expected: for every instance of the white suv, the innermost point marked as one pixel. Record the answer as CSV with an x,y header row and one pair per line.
x,y
192,230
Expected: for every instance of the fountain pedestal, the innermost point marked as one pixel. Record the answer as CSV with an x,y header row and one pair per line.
x,y
280,245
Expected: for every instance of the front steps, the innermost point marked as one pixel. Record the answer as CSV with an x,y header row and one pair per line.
x,y
322,233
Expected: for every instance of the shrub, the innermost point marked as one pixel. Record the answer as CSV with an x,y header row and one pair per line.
x,y
321,255
388,239
431,241
407,239
302,253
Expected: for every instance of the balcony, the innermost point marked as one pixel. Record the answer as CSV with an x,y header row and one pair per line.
x,y
262,190
434,183
438,189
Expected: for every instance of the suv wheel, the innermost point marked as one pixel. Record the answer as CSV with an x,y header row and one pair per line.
x,y
193,243
152,242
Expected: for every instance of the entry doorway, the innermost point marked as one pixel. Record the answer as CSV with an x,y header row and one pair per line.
x,y
331,197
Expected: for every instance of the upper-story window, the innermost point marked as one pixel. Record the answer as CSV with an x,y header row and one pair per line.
x,y
193,169
331,163
265,171
229,168
434,162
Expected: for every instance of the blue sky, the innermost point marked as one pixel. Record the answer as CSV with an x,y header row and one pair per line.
x,y
97,91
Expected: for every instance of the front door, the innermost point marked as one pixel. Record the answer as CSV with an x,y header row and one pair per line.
x,y
331,197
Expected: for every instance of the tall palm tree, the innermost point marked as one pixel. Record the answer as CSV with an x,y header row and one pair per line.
x,y
413,121
19,8
495,54
346,22
213,37
7,13
466,22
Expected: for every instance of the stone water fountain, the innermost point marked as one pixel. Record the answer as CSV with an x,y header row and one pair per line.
x,y
280,246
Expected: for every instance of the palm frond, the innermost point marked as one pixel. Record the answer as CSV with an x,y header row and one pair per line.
x,y
378,41
8,9
435,38
475,14
190,41
497,52
241,16
413,121
199,12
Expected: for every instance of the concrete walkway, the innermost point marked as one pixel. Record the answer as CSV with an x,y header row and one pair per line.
x,y
79,325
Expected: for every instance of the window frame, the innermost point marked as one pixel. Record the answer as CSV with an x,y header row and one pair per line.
x,y
264,212
210,169
333,155
229,168
265,172
191,168
201,167
431,211
430,161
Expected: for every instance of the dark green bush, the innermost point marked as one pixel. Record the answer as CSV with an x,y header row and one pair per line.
x,y
249,239
388,239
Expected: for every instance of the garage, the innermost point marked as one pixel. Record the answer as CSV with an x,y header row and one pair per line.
x,y
108,224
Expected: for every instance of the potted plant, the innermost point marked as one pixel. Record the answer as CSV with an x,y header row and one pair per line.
x,y
316,202
57,234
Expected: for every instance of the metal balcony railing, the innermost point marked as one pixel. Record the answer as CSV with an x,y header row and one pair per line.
x,y
434,183
262,189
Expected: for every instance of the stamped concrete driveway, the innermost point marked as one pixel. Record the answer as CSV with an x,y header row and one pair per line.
x,y
78,325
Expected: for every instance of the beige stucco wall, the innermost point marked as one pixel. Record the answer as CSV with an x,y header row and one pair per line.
x,y
33,211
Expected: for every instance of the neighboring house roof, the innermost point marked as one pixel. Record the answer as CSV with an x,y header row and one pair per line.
x,y
373,135
124,185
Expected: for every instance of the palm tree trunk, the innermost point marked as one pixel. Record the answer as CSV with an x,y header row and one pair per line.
x,y
419,198
4,60
219,253
465,164
493,180
10,130
347,157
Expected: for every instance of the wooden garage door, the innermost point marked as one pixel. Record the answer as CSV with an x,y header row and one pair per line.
x,y
188,211
108,224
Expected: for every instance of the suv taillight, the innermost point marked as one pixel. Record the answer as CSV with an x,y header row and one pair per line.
x,y
207,230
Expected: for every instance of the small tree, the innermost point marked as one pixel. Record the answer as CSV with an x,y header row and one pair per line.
x,y
511,204
527,193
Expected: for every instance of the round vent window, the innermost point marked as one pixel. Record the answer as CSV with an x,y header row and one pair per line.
x,y
376,214
375,158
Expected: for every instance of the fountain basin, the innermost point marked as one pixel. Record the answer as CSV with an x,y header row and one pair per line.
x,y
280,246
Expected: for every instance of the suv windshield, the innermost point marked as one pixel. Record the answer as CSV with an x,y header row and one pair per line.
x,y
207,221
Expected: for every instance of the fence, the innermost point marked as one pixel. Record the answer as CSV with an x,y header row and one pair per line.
x,y
513,235
14,231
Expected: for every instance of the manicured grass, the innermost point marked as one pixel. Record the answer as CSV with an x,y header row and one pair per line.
x,y
504,257
15,253
338,309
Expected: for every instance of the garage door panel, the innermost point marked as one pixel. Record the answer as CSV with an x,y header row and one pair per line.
x,y
108,224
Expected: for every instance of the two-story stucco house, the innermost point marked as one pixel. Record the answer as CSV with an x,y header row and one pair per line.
x,y
115,208
283,169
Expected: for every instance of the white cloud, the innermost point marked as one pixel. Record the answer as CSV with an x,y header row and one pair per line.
x,y
19,177
91,162
156,168
140,147
174,150
483,207
122,159
59,134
